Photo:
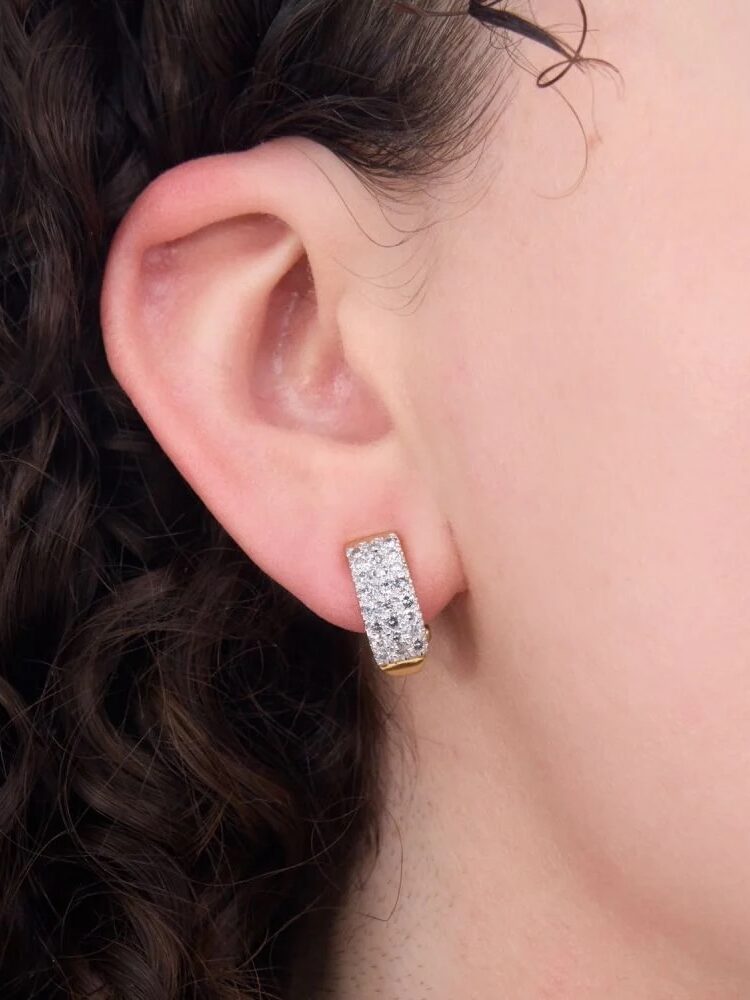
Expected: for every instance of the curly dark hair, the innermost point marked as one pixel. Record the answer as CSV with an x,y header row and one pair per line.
x,y
189,756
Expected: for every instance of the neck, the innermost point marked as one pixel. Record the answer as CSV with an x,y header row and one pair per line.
x,y
472,892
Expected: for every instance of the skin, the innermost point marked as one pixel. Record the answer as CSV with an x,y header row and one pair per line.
x,y
545,390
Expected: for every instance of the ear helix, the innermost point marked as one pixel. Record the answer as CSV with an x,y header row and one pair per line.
x,y
398,636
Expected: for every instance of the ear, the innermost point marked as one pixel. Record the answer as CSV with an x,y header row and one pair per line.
x,y
234,319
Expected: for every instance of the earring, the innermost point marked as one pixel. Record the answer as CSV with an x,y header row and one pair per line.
x,y
393,620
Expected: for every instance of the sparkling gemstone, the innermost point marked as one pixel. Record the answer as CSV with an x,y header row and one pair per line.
x,y
390,609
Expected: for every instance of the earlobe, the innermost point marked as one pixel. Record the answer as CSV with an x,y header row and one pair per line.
x,y
219,314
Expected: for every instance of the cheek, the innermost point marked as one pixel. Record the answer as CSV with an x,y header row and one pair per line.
x,y
601,498
594,436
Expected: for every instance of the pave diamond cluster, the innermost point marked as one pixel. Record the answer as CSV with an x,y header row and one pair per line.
x,y
390,609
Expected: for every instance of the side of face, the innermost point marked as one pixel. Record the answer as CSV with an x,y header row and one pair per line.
x,y
571,367
586,401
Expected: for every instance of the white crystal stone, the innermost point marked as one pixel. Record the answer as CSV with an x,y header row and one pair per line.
x,y
390,609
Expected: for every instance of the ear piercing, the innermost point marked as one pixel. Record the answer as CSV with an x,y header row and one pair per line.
x,y
395,628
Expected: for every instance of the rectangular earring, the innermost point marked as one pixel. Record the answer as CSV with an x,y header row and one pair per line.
x,y
393,620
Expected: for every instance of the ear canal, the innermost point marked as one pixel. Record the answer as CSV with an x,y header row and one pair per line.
x,y
300,378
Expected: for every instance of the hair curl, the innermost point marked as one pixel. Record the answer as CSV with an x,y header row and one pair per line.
x,y
188,756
